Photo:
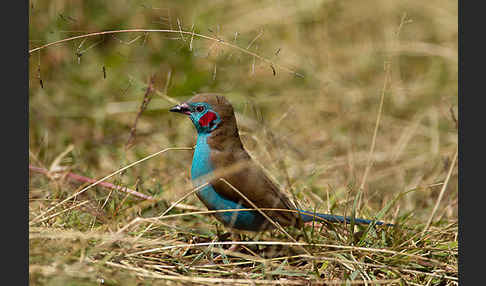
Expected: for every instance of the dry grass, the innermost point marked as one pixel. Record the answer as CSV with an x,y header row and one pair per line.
x,y
350,106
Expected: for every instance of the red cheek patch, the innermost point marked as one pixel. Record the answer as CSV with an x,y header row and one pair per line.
x,y
207,118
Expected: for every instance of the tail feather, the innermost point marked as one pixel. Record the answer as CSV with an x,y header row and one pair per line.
x,y
308,216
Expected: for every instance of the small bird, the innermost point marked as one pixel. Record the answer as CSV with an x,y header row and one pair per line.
x,y
221,164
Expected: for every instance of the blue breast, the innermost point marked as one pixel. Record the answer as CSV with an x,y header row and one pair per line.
x,y
201,166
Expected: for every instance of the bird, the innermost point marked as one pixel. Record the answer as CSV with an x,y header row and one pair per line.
x,y
229,180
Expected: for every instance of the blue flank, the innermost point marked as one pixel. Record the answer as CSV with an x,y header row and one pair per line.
x,y
245,220
201,165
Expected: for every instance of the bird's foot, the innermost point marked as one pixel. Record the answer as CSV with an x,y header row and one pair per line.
x,y
232,248
316,224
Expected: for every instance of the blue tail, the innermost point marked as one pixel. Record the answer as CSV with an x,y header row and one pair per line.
x,y
308,216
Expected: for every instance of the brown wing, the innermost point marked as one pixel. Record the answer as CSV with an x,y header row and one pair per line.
x,y
251,181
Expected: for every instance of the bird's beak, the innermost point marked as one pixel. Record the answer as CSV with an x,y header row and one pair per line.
x,y
181,108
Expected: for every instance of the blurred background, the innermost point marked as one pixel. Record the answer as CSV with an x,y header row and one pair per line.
x,y
309,117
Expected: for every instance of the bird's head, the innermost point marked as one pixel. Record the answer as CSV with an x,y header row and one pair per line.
x,y
207,112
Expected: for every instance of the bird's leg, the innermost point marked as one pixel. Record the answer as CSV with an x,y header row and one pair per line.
x,y
316,224
233,247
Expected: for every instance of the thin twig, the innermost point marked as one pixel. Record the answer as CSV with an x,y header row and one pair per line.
x,y
453,116
146,99
230,281
172,206
105,178
370,160
79,178
442,191
63,211
288,243
243,50
278,226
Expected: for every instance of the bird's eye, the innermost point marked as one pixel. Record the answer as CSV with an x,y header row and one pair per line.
x,y
200,108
